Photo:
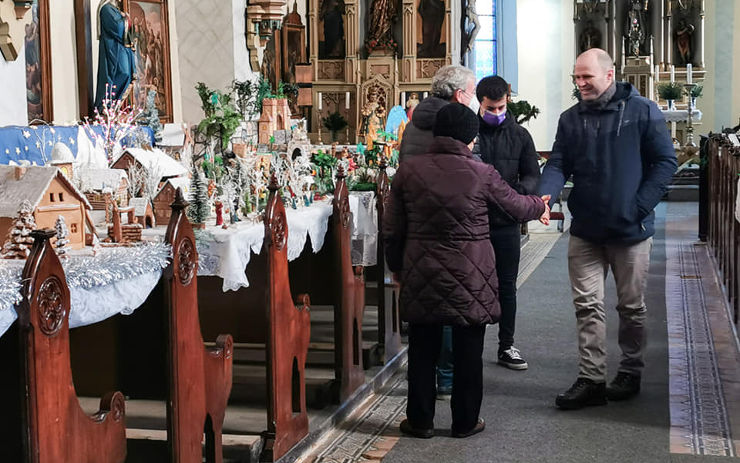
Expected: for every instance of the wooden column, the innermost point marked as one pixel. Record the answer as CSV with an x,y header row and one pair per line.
x,y
351,40
84,43
408,63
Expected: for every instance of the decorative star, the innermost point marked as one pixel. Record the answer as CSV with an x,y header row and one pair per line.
x,y
26,134
17,150
26,147
71,141
7,151
38,145
51,144
51,129
34,127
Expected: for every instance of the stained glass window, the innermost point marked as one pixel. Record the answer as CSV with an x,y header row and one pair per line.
x,y
485,42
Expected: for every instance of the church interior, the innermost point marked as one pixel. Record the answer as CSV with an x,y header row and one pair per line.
x,y
192,198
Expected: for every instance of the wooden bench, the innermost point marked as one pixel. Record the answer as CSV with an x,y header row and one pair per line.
x,y
49,426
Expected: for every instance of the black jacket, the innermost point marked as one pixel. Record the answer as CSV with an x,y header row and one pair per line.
x,y
417,137
621,158
510,149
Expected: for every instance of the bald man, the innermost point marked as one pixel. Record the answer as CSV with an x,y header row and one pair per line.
x,y
616,146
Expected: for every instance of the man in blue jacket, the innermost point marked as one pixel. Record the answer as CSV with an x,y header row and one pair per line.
x,y
616,146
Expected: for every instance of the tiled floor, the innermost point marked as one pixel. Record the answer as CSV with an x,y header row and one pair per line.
x,y
703,352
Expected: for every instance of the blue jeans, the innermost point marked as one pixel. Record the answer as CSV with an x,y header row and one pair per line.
x,y
444,363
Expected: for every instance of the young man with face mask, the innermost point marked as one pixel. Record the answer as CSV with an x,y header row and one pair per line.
x,y
509,148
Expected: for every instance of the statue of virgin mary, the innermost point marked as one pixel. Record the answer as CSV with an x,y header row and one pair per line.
x,y
116,57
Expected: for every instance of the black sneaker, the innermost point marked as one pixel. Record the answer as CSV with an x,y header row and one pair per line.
x,y
406,428
583,393
623,386
511,358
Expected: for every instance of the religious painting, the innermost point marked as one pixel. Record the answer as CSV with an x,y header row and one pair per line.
x,y
331,29
150,35
430,27
38,64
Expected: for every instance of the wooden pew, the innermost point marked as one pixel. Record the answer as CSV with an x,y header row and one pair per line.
x,y
349,288
54,427
289,329
273,333
389,321
199,377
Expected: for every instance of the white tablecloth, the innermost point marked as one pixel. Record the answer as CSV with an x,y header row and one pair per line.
x,y
226,252
681,115
92,305
364,228
96,293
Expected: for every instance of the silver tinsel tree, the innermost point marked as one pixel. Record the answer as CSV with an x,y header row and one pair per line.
x,y
19,241
199,209
62,233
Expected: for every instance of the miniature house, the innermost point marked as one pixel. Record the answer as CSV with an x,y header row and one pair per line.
x,y
275,116
140,211
62,157
153,161
166,196
51,195
96,182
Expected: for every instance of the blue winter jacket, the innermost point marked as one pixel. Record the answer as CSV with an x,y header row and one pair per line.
x,y
621,158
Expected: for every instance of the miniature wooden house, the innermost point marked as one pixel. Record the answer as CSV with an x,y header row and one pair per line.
x,y
141,212
166,196
51,195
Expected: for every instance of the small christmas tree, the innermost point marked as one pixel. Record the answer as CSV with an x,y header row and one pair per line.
x,y
199,208
150,116
61,228
19,241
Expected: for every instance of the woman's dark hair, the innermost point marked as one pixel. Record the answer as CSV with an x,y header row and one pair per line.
x,y
492,87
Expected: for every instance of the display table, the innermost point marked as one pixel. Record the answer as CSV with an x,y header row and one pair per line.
x,y
117,280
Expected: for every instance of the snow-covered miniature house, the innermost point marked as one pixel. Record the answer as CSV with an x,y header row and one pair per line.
x,y
153,161
166,196
96,182
50,193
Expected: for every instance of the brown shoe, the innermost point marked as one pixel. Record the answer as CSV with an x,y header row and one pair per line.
x,y
406,428
480,426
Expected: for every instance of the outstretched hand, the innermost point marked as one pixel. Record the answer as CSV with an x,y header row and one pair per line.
x,y
545,217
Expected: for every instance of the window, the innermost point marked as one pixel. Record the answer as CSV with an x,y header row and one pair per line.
x,y
51,197
495,48
484,49
73,228
61,196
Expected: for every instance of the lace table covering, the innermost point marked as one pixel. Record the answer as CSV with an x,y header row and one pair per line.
x,y
117,280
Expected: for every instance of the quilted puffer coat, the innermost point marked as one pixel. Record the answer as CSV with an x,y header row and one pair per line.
x,y
437,237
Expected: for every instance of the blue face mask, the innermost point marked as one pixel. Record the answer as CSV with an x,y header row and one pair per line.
x,y
494,119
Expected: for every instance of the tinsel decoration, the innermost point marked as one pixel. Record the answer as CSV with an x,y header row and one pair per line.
x,y
10,285
111,264
108,266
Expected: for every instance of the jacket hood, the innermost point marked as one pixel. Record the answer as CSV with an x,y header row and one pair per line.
x,y
425,112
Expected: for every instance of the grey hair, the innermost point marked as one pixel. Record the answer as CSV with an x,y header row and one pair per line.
x,y
451,78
